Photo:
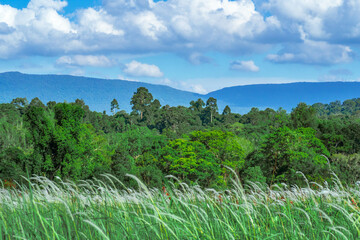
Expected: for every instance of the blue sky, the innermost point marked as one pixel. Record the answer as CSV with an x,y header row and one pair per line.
x,y
194,45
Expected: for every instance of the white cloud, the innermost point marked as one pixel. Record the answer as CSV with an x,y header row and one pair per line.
x,y
54,4
84,60
132,26
313,52
185,27
98,22
138,69
244,66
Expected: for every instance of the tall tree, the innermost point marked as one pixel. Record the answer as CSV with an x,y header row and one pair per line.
x,y
114,106
226,111
141,100
211,107
303,116
42,136
20,102
37,102
197,105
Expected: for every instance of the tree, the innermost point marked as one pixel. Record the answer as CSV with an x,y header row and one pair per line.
x,y
197,105
303,116
226,111
141,100
20,102
37,102
41,129
211,108
114,106
135,152
285,152
190,161
225,146
13,164
80,152
51,104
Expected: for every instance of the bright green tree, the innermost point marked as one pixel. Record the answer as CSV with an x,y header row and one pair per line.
x,y
225,146
190,161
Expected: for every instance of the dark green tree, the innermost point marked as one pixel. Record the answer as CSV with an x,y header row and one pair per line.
x,y
285,152
226,111
20,102
114,106
211,108
303,116
37,103
41,129
197,105
141,100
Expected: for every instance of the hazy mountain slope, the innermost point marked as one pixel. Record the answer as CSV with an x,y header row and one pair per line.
x,y
97,93
287,95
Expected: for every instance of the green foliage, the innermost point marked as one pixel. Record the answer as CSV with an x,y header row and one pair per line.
x,y
197,105
254,174
13,164
114,106
224,145
135,152
36,102
210,110
303,116
42,130
20,102
69,140
346,167
285,152
81,153
141,100
190,161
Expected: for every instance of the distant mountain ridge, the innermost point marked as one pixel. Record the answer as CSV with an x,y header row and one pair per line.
x,y
287,95
98,93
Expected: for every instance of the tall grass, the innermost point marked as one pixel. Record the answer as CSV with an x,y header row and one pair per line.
x,y
44,209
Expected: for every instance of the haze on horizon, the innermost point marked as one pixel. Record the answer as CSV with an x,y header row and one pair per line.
x,y
193,45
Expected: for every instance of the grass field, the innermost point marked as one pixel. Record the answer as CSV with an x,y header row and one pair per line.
x,y
44,209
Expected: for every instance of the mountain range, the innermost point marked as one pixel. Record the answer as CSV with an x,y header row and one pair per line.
x,y
98,93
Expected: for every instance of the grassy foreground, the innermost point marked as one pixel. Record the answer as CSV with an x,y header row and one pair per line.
x,y
47,209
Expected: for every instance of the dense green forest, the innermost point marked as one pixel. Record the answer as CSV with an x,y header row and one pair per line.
x,y
193,143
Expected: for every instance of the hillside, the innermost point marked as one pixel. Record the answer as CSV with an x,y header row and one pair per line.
x,y
98,93
286,95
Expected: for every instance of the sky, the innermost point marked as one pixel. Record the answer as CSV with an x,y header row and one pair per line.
x,y
193,45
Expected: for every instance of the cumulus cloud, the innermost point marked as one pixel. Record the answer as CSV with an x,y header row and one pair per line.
x,y
313,52
84,60
131,26
248,66
183,27
137,69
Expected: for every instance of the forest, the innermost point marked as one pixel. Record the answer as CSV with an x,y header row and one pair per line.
x,y
198,144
